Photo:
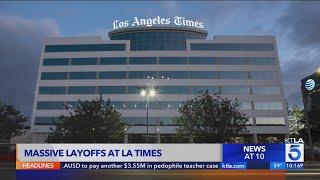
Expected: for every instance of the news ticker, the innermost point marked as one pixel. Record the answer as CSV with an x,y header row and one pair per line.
x,y
287,156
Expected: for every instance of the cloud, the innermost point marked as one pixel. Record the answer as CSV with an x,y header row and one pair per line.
x,y
301,22
300,66
300,26
20,47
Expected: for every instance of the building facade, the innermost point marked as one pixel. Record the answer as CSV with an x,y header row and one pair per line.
x,y
178,61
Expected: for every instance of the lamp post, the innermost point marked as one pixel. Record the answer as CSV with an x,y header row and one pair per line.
x,y
148,93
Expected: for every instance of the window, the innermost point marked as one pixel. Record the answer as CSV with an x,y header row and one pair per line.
x,y
166,121
112,75
263,75
231,47
268,106
50,105
235,90
143,75
143,60
202,60
172,60
82,90
56,62
47,121
113,60
233,60
140,121
133,90
233,75
54,75
85,47
173,75
270,121
210,89
203,75
84,61
52,90
72,104
244,105
119,105
112,90
136,105
174,90
266,90
262,61
83,75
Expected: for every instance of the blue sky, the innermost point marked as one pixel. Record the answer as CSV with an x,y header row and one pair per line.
x,y
24,25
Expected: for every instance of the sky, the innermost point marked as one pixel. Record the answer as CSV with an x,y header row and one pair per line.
x,y
24,26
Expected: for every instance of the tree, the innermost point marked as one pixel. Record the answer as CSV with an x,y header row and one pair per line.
x,y
11,122
296,118
210,119
94,121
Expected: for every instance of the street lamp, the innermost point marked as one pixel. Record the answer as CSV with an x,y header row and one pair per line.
x,y
148,93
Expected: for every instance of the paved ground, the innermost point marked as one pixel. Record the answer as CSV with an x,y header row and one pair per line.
x,y
311,172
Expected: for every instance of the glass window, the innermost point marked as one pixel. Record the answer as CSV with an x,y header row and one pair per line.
x,y
202,60
135,105
143,75
83,75
173,75
266,90
245,105
72,104
119,105
166,121
174,90
231,47
84,61
85,47
210,89
54,75
52,90
268,106
263,75
166,105
235,90
112,75
270,121
203,75
140,121
233,60
46,120
112,90
113,60
82,90
50,105
142,60
56,62
133,90
233,75
262,61
172,60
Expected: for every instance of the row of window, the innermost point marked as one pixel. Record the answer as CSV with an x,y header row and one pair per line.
x,y
162,60
85,47
165,121
231,47
193,46
161,90
154,105
255,75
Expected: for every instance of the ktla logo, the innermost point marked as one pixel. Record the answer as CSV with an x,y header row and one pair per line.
x,y
294,150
